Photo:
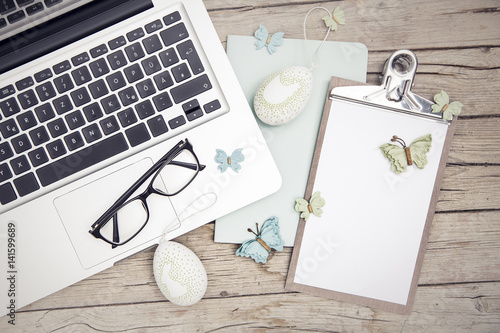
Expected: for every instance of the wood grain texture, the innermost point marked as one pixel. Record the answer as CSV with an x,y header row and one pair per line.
x,y
458,47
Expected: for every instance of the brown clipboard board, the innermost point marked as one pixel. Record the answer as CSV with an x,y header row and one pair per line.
x,y
361,300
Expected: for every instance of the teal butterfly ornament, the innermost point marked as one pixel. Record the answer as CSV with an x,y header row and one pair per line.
x,y
443,105
233,161
312,207
267,239
267,40
402,156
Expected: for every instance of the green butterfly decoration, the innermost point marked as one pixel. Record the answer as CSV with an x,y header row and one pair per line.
x,y
400,157
313,206
443,105
337,18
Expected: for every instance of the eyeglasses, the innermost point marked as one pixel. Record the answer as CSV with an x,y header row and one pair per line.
x,y
127,217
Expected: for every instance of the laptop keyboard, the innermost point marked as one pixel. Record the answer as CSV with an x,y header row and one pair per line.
x,y
14,11
101,103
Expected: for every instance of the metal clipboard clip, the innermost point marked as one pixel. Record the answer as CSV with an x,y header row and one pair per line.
x,y
394,94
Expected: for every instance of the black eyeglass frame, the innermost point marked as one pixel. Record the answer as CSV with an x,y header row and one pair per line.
x,y
124,199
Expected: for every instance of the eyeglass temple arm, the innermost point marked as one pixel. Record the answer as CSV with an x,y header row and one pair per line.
x,y
188,165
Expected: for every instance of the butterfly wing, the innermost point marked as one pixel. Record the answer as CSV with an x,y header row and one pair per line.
x,y
316,203
339,16
276,40
221,158
441,100
237,157
261,34
301,206
330,22
253,249
418,150
396,156
270,234
454,109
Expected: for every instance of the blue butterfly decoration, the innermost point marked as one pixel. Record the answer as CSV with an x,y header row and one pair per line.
x,y
268,238
232,161
264,39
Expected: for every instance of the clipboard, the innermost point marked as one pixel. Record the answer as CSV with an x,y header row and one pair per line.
x,y
368,246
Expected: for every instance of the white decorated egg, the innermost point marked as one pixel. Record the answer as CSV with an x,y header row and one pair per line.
x,y
283,95
179,273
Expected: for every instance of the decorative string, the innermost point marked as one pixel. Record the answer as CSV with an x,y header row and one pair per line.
x,y
177,221
314,59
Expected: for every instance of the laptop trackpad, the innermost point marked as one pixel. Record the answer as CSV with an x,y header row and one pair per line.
x,y
80,208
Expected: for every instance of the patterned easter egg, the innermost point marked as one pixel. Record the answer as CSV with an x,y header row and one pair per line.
x,y
179,273
283,95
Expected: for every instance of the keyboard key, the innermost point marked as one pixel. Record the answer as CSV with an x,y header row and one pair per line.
x,y
20,165
175,34
98,50
169,57
75,119
194,114
188,52
24,83
127,117
21,143
92,133
163,80
21,3
157,126
44,112
50,3
16,17
26,120
90,156
181,72
7,6
27,99
191,88
117,59
57,127
5,172
176,122
117,42
152,44
7,193
38,157
137,134
43,75
56,149
5,151
135,34
63,83
61,67
98,89
99,67
62,104
191,106
109,125
3,23
74,141
133,73
92,112
145,109
128,96
172,18
39,136
134,52
153,26
212,106
45,91
26,184
80,96
145,88
9,128
7,91
116,81
35,8
110,104
9,107
81,75
162,101
80,59
151,65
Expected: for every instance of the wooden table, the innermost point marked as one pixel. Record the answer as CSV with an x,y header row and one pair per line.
x,y
458,47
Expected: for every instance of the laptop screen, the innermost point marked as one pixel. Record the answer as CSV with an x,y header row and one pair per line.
x,y
65,28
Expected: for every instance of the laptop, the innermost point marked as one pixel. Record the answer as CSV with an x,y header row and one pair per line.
x,y
92,94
